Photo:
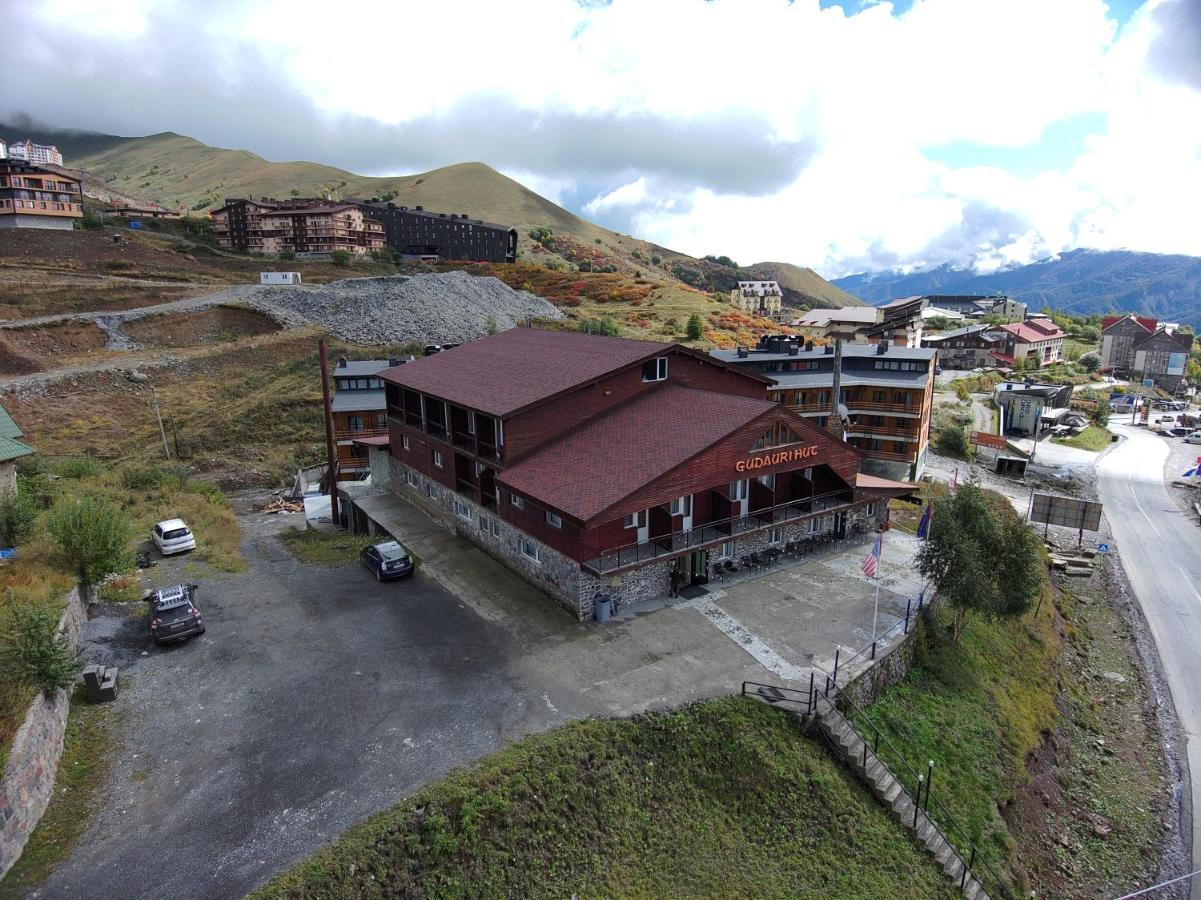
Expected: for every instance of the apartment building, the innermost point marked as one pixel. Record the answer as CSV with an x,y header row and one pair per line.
x,y
1163,356
359,411
33,197
1039,339
967,348
762,298
3,149
884,392
898,322
594,465
304,227
35,154
422,234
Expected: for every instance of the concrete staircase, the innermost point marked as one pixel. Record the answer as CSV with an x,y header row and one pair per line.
x,y
888,790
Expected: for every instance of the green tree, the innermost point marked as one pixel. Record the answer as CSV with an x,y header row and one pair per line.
x,y
605,326
1100,414
93,534
33,650
695,327
981,558
340,258
952,442
1090,361
17,517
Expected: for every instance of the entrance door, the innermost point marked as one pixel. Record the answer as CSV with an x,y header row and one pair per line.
x,y
698,567
840,525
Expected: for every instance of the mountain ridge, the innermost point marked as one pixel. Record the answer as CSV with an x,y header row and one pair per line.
x,y
1081,281
177,171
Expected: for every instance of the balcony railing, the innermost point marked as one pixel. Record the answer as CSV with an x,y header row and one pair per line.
x,y
883,406
855,428
716,532
889,454
349,434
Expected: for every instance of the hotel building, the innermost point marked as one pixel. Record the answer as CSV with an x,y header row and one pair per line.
x,y
598,466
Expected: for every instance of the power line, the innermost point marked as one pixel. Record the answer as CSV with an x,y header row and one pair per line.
x,y
1156,887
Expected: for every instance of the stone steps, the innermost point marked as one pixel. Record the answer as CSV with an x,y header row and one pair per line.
x,y
857,754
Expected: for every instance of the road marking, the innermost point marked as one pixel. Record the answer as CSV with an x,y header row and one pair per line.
x,y
745,638
1141,510
1188,579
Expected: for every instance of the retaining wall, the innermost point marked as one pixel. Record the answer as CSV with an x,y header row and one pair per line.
x,y
887,670
33,758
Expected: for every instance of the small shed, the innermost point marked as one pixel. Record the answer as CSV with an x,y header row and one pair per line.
x,y
279,278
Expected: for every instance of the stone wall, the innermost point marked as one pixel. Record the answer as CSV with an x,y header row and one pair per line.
x,y
889,669
33,758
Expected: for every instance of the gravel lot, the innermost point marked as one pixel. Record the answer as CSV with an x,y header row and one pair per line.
x,y
317,697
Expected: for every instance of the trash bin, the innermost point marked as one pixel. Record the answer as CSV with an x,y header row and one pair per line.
x,y
603,608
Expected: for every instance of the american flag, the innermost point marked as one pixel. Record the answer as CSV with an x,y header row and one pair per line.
x,y
871,565
1195,470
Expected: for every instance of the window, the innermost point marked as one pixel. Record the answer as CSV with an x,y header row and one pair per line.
x,y
470,422
484,524
431,490
814,526
438,458
411,477
553,519
528,548
462,510
404,441
496,528
871,509
738,490
518,502
903,397
635,520
875,421
655,369
879,397
682,506
776,536
726,550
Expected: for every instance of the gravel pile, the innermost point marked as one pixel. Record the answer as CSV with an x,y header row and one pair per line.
x,y
441,308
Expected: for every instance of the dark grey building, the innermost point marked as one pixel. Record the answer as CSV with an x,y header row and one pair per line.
x,y
433,235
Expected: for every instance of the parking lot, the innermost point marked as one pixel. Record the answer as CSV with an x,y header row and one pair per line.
x,y
316,697
319,696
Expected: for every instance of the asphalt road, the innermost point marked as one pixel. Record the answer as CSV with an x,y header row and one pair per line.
x,y
1161,552
316,697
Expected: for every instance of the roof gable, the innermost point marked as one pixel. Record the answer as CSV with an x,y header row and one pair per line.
x,y
8,428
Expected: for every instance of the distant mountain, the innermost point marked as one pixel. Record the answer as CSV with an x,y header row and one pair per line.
x,y
180,172
1079,281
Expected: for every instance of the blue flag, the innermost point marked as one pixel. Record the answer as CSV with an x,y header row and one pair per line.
x,y
923,527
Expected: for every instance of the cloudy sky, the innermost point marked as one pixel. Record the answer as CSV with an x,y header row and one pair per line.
x,y
845,135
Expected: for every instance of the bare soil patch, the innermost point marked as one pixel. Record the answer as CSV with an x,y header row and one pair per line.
x,y
39,347
25,293
214,325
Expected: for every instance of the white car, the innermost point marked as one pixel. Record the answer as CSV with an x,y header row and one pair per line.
x,y
1193,437
173,536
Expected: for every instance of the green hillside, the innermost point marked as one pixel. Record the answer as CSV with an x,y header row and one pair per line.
x,y
178,171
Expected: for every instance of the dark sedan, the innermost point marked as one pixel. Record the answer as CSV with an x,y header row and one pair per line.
x,y
387,560
174,614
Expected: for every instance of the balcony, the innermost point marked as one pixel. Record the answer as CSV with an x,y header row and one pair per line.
x,y
882,406
863,428
811,406
349,434
716,532
890,455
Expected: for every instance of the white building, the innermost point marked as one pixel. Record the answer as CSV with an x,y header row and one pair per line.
x,y
757,297
35,154
3,149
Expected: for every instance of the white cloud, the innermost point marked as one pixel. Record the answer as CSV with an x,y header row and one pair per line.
x,y
757,128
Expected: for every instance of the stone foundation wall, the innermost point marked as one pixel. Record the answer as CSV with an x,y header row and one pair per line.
x,y
890,669
33,758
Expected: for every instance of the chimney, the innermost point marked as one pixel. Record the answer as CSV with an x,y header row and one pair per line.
x,y
881,348
341,362
836,388
743,352
419,208
794,348
393,361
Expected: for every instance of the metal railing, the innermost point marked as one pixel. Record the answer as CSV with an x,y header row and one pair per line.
x,y
899,767
716,531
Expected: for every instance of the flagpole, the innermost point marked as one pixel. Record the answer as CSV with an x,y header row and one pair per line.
x,y
876,611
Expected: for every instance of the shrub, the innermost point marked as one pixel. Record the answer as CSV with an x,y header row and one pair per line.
x,y
553,264
287,255
695,327
379,255
340,258
91,220
119,265
143,478
1090,361
688,276
198,227
18,516
605,326
33,649
541,234
77,467
656,259
490,326
92,533
1100,414
952,442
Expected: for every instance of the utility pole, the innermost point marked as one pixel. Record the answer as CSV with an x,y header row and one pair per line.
x,y
159,416
331,456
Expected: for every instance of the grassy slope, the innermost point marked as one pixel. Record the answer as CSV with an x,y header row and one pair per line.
x,y
175,170
1091,438
723,798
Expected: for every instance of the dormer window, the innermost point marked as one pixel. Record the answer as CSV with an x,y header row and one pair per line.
x,y
655,369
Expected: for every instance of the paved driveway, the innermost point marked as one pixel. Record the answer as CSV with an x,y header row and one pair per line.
x,y
316,698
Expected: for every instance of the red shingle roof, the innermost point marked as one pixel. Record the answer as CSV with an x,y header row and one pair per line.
x,y
628,447
1033,331
503,373
1146,321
